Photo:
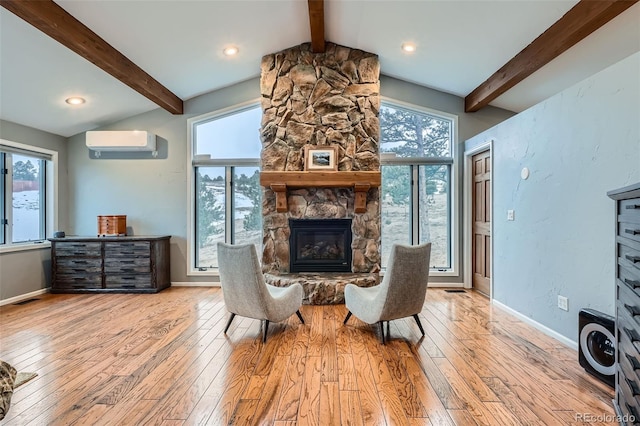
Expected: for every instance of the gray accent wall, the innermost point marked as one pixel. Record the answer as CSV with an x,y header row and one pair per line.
x,y
151,192
578,145
27,271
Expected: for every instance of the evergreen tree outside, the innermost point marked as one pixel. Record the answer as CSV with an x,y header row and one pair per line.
x,y
416,135
250,188
210,212
25,170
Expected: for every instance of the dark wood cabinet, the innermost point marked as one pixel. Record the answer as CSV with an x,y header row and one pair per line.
x,y
627,401
135,264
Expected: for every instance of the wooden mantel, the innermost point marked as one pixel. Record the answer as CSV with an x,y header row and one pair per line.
x,y
360,181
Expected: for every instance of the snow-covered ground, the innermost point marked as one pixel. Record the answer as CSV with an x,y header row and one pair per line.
x,y
26,216
241,202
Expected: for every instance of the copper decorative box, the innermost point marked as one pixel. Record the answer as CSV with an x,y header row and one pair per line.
x,y
112,225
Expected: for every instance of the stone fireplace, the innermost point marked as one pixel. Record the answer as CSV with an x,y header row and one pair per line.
x,y
315,100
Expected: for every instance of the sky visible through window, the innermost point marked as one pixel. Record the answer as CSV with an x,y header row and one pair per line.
x,y
236,135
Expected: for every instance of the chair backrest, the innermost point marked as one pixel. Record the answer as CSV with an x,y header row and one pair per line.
x,y
245,292
406,280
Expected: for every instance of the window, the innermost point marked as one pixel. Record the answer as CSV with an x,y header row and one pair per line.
x,y
26,204
416,194
225,184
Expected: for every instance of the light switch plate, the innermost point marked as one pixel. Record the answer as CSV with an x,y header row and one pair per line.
x,y
511,215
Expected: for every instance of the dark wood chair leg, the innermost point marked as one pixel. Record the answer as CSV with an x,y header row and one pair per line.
x,y
415,317
388,332
300,316
347,318
266,327
382,330
229,323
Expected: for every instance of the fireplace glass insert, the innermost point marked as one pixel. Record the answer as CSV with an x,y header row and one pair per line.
x,y
320,245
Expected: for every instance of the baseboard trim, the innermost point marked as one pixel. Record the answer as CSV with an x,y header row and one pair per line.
x,y
22,297
445,285
195,284
543,328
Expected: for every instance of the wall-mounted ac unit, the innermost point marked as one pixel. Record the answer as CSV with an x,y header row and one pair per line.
x,y
121,140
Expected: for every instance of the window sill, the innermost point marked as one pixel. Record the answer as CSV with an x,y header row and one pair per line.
x,y
11,248
213,272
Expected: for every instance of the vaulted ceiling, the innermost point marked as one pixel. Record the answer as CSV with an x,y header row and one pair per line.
x,y
178,46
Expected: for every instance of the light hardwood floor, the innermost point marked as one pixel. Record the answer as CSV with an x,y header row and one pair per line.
x,y
162,359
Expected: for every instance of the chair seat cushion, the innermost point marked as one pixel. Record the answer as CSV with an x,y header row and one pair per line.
x,y
363,302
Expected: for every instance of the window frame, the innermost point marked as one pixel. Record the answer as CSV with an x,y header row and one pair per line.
x,y
453,190
193,162
48,202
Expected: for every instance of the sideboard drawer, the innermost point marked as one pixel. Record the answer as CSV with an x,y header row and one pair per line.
x,y
84,249
630,206
629,256
127,249
630,277
128,281
79,281
127,265
629,230
79,265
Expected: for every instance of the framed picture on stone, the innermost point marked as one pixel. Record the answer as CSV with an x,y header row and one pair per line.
x,y
320,158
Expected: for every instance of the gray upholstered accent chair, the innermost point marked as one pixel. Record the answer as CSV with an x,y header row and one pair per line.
x,y
246,293
400,294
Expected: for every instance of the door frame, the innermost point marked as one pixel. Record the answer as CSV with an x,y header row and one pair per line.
x,y
468,214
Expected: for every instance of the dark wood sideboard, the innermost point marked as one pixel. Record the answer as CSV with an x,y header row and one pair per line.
x,y
627,401
134,264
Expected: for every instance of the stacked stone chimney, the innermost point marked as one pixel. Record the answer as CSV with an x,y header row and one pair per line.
x,y
321,99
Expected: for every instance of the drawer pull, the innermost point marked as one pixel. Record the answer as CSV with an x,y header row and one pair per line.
x,y
80,262
128,278
633,310
632,231
633,283
633,206
635,390
127,270
128,262
632,334
633,361
78,270
128,286
634,259
633,411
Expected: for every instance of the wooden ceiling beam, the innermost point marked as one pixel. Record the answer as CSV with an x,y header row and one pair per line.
x,y
583,19
58,24
316,23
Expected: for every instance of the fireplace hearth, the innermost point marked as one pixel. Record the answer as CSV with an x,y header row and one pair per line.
x,y
320,245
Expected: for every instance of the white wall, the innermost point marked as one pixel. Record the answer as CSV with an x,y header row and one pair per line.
x,y
578,145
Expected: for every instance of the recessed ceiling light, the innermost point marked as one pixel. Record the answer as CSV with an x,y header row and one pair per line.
x,y
230,51
409,47
75,100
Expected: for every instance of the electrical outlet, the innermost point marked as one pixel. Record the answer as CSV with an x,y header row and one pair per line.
x,y
510,215
563,303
